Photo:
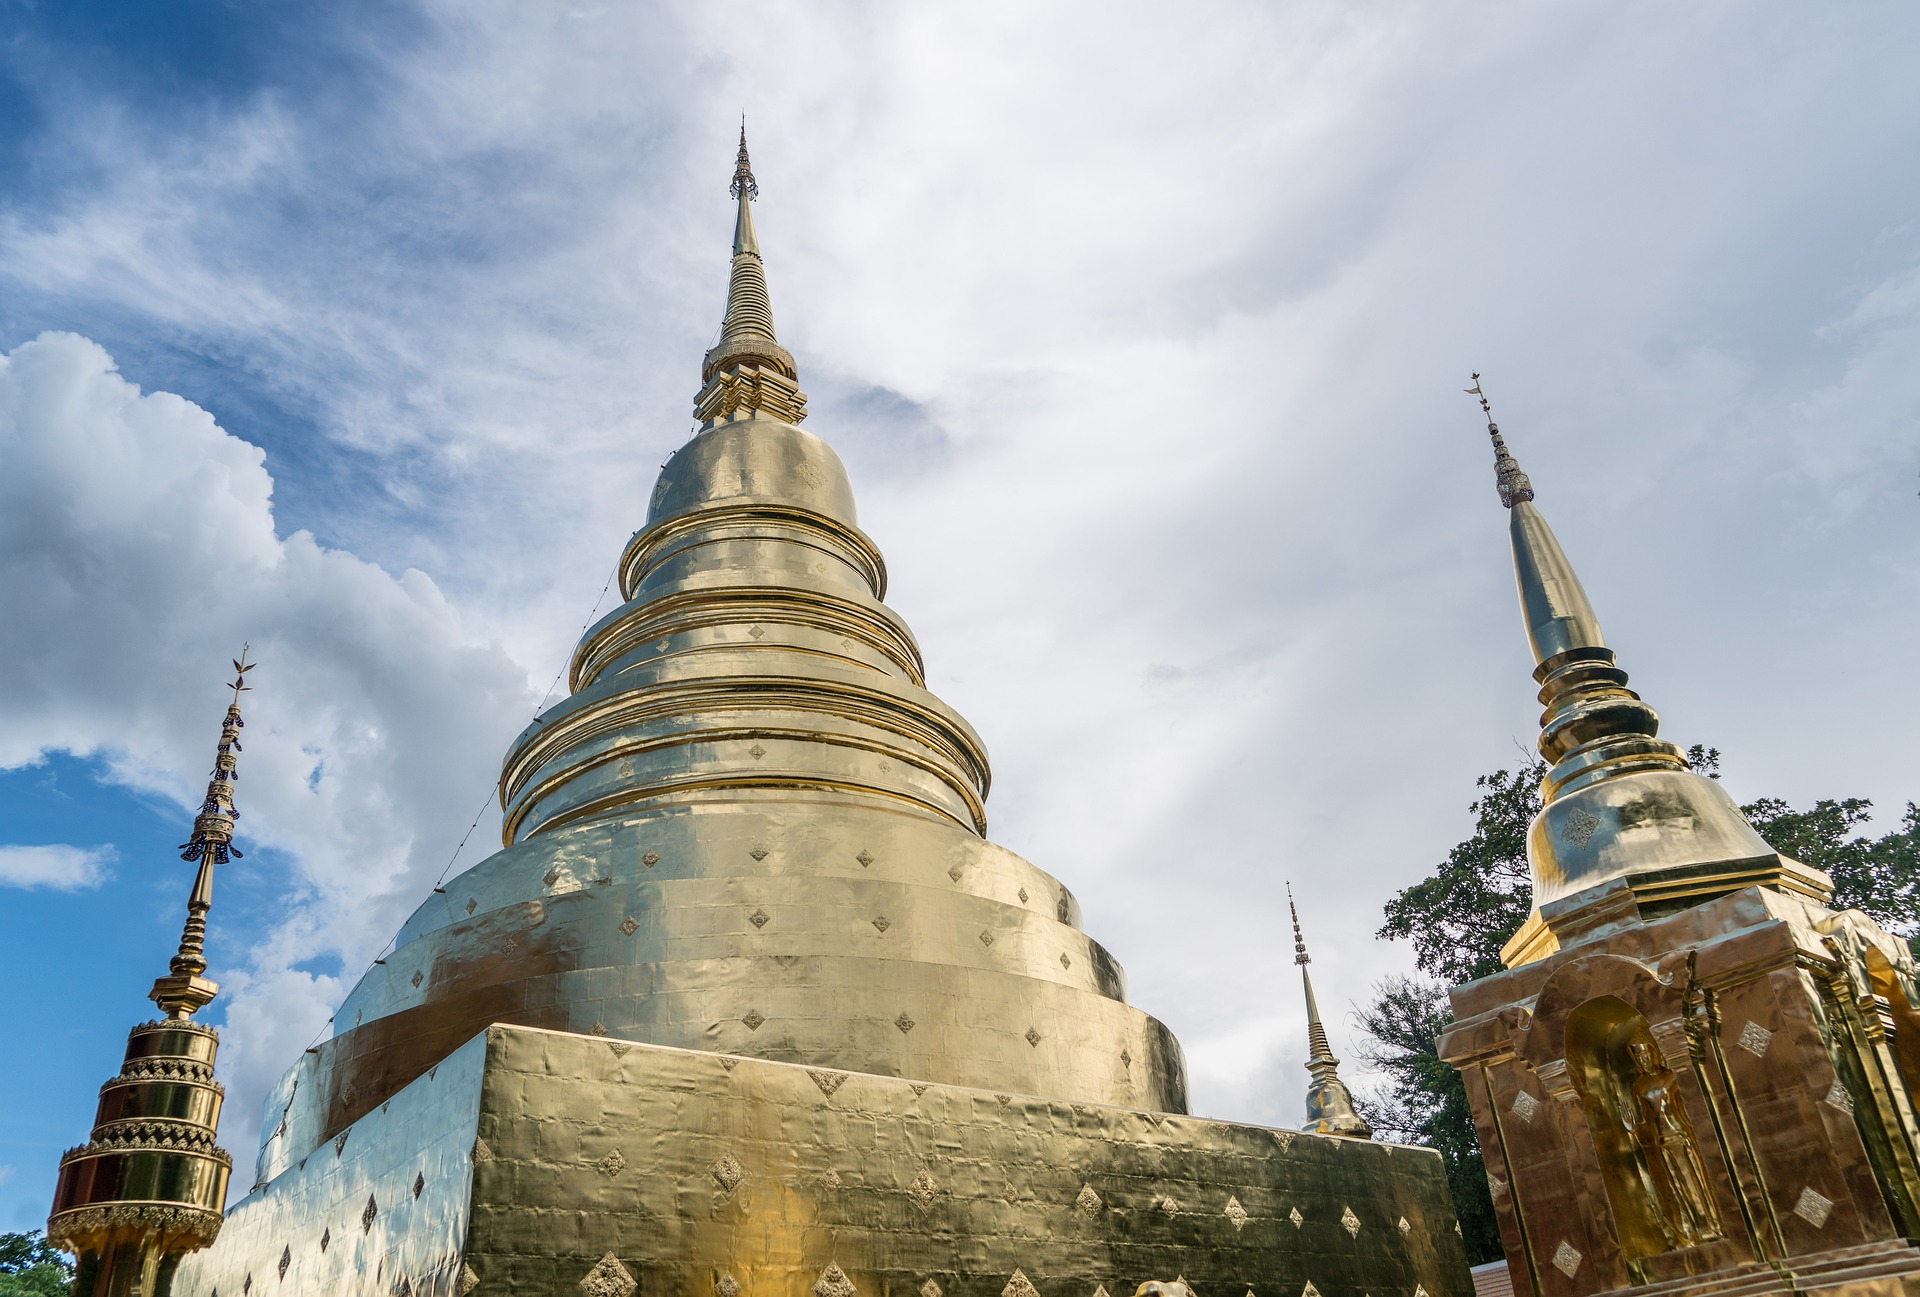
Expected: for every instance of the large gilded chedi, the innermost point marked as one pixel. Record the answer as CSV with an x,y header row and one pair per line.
x,y
748,1006
751,828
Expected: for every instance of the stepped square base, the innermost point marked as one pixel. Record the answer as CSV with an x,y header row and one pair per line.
x,y
542,1162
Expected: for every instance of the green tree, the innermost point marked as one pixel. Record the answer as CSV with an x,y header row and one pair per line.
x,y
30,1268
1878,875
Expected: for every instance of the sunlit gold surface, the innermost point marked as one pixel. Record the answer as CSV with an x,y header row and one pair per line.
x,y
527,1157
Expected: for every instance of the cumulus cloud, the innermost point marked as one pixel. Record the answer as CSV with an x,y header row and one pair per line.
x,y
138,550
1143,338
57,867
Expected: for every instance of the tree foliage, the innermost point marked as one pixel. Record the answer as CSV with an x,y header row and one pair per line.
x,y
1461,914
31,1268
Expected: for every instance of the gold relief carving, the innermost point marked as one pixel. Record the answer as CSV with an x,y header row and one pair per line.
x,y
866,858
1023,896
612,1164
551,877
608,1278
1404,1227
1579,826
759,853
833,1282
482,1152
598,1028
419,1183
1167,1207
369,1215
882,922
1126,1061
726,1286
1065,962
1087,1202
930,1289
629,926
1033,1036
1284,1138
1003,1099
827,1081
1642,1136
1010,1196
1293,1214
651,859
326,1237
1838,1097
1099,1290
755,631
759,918
1566,1258
923,1190
1495,1185
1019,1286
753,1018
727,1173
954,873
472,905
1350,1222
727,1061
1236,1213
418,977
1309,1290
829,1179
340,1141
986,938
1525,1106
468,1279
1813,1207
904,1022
919,1088
1755,1038
756,752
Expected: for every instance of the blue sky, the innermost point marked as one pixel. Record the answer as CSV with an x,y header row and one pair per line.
x,y
359,332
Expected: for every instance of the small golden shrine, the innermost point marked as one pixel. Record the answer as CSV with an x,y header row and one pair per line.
x,y
1695,1076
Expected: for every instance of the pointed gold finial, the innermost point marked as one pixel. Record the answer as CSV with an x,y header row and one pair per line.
x,y
1513,484
185,991
1618,802
748,372
1330,1108
744,185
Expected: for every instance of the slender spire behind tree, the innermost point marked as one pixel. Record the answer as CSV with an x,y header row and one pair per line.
x,y
1329,1107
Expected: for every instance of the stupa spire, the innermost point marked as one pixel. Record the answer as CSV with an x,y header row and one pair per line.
x,y
1618,801
748,372
1329,1105
149,1185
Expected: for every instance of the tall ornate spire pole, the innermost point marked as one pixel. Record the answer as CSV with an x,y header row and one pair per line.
x,y
1619,803
748,373
149,1186
1329,1106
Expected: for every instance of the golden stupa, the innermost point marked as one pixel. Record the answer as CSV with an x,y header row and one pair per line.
x,y
748,1004
1694,1075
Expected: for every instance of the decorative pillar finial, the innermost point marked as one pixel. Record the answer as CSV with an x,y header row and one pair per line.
x,y
744,185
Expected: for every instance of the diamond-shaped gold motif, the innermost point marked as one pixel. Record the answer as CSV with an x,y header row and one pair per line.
x,y
756,631
756,751
1837,1096
613,1163
551,877
1284,1138
866,858
759,853
727,1173
753,1019
609,1278
1579,826
1033,1036
651,859
1755,1038
418,977
833,1282
1126,1059
1065,962
1403,1227
1566,1258
829,1179
472,905
1813,1207
1293,1214
986,938
882,922
1087,1202
904,1022
923,1190
1309,1290
930,1289
629,925
1019,1286
1350,1222
1167,1207
1236,1213
726,1286
1525,1106
1495,1185
369,1215
1023,896
954,873
759,918
598,1028
827,1081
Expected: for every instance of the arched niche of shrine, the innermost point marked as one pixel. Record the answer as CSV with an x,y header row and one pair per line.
x,y
1643,1139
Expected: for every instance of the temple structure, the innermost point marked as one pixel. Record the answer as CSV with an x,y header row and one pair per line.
x,y
1695,1076
1329,1107
149,1186
748,1004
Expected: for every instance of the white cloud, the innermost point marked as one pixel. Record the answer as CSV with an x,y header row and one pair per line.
x,y
58,867
137,550
1196,527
